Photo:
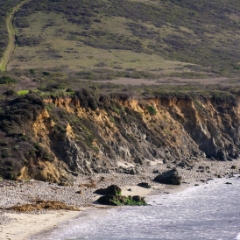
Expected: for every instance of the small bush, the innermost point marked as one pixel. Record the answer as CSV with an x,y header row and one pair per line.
x,y
46,73
32,71
10,92
152,111
7,80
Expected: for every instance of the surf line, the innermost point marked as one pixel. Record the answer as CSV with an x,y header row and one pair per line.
x,y
238,237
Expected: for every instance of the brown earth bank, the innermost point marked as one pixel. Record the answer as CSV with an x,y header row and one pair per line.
x,y
56,138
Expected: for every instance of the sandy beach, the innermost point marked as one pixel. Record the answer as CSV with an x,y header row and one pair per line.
x,y
20,226
24,225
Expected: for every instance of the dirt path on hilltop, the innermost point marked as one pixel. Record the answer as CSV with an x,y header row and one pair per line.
x,y
11,35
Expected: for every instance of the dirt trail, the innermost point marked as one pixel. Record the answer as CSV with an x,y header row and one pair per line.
x,y
11,33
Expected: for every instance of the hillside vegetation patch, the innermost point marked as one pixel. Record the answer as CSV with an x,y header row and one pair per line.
x,y
107,34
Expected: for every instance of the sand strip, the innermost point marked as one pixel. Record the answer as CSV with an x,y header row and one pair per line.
x,y
22,226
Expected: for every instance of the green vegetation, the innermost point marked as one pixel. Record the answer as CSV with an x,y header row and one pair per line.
x,y
113,197
151,38
152,110
18,147
22,92
7,80
129,201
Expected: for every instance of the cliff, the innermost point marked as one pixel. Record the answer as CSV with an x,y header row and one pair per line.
x,y
53,138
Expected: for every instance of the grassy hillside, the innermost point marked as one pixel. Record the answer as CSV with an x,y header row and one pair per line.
x,y
143,39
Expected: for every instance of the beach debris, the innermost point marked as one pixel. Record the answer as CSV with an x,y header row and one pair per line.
x,y
42,205
171,177
79,192
92,184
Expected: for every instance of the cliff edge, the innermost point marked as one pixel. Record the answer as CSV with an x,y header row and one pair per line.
x,y
54,138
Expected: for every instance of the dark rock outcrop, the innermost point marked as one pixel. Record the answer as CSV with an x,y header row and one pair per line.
x,y
119,200
111,190
170,177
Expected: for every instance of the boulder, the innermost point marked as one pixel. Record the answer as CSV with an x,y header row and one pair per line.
x,y
111,190
137,198
114,200
171,177
118,200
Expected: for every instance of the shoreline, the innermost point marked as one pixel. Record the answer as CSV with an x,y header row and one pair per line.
x,y
21,226
25,225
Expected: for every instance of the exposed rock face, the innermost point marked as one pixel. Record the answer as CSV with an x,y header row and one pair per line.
x,y
170,177
182,129
90,133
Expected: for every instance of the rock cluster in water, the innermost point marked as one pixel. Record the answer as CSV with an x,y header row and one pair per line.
x,y
113,197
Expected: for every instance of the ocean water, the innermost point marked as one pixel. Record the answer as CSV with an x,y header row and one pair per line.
x,y
210,211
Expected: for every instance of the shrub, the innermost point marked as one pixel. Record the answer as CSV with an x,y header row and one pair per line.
x,y
46,73
32,71
87,99
152,111
10,92
7,80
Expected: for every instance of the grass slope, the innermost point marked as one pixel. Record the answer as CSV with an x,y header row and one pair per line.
x,y
158,37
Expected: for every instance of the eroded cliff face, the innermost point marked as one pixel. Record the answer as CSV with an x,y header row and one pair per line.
x,y
123,134
85,133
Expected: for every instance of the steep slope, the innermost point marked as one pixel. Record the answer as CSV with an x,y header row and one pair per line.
x,y
90,132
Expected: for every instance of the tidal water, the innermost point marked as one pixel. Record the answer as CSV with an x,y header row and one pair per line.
x,y
210,211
